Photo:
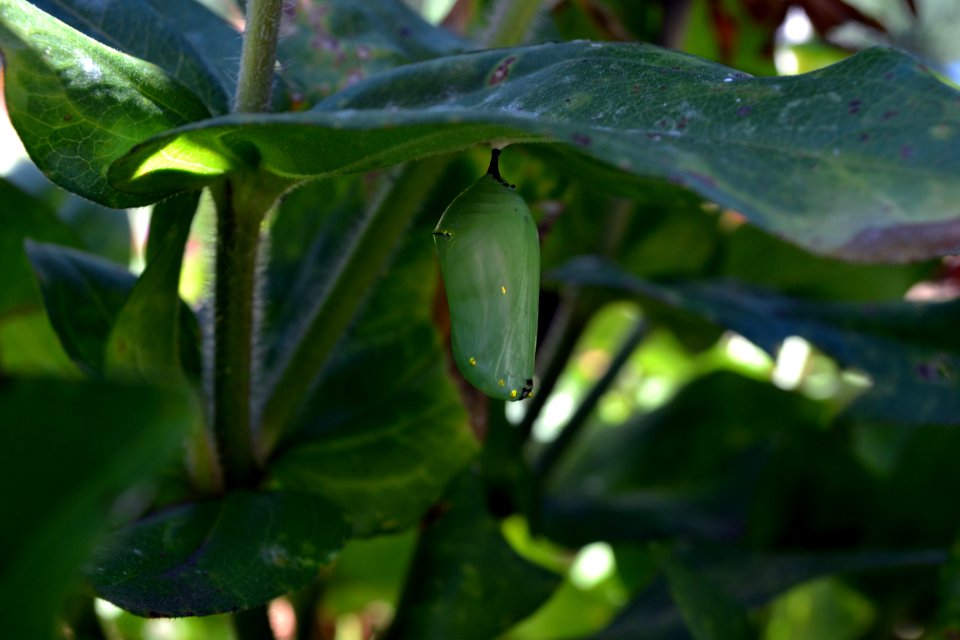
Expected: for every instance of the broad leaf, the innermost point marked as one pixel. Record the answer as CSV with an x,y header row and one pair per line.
x,y
85,295
910,350
69,449
215,556
79,105
709,612
331,44
145,337
384,430
465,581
180,36
856,160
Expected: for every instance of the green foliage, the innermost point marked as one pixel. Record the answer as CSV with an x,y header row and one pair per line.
x,y
303,434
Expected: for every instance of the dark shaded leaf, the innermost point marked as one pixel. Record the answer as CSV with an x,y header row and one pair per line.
x,y
332,44
709,612
749,579
70,448
215,556
85,295
691,468
465,581
370,436
910,350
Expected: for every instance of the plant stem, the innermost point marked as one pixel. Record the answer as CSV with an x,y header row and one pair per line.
x,y
237,237
259,56
568,323
242,201
554,451
510,22
253,624
349,284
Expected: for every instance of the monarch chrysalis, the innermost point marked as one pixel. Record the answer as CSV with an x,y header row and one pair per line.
x,y
490,261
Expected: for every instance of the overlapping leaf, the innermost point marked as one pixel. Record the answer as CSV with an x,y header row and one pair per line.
x,y
180,36
855,160
383,430
85,295
79,105
910,350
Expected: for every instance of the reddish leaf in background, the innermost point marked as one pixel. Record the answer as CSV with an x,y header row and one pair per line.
x,y
824,14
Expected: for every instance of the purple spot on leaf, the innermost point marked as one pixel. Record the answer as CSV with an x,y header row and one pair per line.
x,y
582,140
745,110
907,152
864,137
501,71
890,114
854,106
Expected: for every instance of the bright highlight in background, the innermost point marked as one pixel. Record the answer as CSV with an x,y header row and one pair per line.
x,y
593,565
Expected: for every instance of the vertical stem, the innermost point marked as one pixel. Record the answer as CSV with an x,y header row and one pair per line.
x,y
242,201
555,450
259,55
253,624
510,22
237,235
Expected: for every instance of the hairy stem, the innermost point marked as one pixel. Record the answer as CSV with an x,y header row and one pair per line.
x,y
259,56
242,202
348,286
237,236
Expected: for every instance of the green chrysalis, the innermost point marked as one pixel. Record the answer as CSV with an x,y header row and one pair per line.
x,y
490,261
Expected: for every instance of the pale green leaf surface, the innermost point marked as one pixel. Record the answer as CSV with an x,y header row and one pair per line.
x,y
79,105
182,37
857,160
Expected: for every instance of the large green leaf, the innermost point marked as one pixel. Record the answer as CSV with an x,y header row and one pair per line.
x,y
330,44
214,556
79,105
180,36
856,160
465,581
383,431
85,295
67,449
910,350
